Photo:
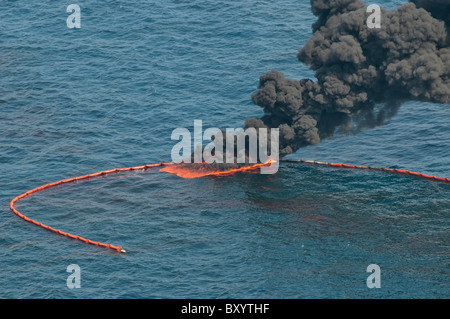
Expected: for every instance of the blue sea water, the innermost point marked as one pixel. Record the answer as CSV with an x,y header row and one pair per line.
x,y
77,101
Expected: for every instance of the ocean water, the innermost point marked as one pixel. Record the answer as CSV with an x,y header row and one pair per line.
x,y
77,101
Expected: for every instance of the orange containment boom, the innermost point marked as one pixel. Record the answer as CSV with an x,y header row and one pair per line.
x,y
73,179
389,170
119,249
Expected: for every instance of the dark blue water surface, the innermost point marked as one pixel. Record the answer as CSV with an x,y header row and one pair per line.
x,y
77,101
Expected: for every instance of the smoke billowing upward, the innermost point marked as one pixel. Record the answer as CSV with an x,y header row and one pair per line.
x,y
356,67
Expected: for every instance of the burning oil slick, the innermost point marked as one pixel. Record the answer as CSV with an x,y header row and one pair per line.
x,y
232,150
195,170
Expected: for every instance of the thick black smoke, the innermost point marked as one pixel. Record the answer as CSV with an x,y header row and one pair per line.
x,y
440,9
357,68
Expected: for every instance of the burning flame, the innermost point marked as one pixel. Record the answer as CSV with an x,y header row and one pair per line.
x,y
199,169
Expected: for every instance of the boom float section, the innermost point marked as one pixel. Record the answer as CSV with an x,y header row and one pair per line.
x,y
372,168
171,168
119,249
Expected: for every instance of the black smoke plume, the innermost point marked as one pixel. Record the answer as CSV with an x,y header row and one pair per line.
x,y
357,70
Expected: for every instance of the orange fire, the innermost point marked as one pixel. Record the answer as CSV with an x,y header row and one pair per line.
x,y
199,169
